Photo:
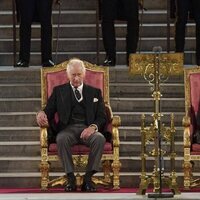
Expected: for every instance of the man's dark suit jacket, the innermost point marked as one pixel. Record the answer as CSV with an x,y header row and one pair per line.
x,y
60,102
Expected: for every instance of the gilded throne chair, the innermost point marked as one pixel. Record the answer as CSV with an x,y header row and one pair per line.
x,y
192,108
99,78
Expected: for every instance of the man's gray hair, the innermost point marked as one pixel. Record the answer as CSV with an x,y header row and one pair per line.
x,y
73,62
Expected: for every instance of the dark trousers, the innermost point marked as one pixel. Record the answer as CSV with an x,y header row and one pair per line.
x,y
27,10
110,12
71,136
183,7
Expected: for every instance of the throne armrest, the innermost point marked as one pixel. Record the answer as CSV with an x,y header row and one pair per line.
x,y
115,130
43,137
116,122
187,131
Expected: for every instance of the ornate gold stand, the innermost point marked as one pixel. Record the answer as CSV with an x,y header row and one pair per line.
x,y
156,68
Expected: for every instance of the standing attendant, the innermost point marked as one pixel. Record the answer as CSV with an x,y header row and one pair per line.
x,y
29,11
123,10
182,12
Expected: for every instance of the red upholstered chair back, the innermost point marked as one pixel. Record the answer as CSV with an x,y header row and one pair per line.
x,y
95,76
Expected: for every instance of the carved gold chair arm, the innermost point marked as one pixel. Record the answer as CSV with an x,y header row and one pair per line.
x,y
109,111
186,133
43,138
186,121
116,121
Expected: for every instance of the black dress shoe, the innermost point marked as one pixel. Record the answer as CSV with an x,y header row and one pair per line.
x,y
48,63
22,63
71,184
110,62
88,187
70,187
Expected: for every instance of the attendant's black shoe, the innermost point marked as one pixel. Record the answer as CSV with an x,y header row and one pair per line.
x,y
88,186
22,63
48,63
110,62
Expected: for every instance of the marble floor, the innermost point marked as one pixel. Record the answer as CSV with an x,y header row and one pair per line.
x,y
91,196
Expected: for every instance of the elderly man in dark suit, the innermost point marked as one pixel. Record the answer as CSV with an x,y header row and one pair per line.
x,y
182,9
29,11
123,10
82,117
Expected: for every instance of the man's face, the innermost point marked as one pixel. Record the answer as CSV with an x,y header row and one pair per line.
x,y
76,75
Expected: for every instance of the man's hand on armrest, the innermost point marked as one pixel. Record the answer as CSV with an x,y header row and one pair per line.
x,y
41,119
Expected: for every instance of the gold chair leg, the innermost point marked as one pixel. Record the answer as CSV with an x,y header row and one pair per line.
x,y
116,165
187,166
44,169
106,170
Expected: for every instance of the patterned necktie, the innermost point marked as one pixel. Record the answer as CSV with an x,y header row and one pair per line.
x,y
77,94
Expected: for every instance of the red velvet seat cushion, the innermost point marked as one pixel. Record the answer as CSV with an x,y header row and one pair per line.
x,y
195,149
80,149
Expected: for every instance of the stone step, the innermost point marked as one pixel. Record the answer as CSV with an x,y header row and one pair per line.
x,y
134,118
19,164
27,119
118,74
133,164
132,133
117,104
70,5
89,45
20,104
19,133
145,90
127,133
32,180
122,75
21,119
26,148
78,30
32,148
146,104
6,59
87,16
21,90
133,148
88,5
67,17
129,164
11,75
